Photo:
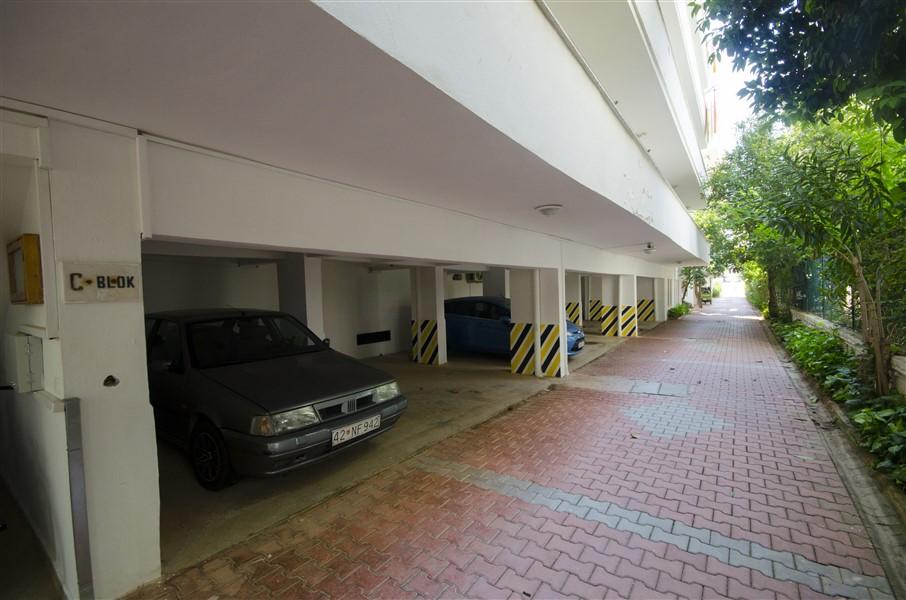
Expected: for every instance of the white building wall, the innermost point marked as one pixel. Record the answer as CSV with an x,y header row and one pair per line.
x,y
174,284
358,300
484,55
460,288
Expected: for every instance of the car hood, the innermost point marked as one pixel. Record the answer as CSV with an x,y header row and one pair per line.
x,y
572,327
291,381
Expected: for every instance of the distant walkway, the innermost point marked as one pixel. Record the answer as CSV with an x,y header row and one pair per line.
x,y
704,478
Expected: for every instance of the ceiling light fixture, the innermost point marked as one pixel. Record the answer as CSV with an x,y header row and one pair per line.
x,y
649,248
549,209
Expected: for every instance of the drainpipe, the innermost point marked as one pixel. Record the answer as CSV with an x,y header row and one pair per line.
x,y
77,498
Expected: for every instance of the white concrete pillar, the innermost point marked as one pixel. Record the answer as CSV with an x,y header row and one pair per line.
x,y
603,303
522,321
94,183
660,299
497,282
550,335
429,328
645,305
629,326
314,295
574,298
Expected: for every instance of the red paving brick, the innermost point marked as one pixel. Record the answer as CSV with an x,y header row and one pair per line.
x,y
725,492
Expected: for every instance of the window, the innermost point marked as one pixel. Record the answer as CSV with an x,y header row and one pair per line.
x,y
164,345
245,339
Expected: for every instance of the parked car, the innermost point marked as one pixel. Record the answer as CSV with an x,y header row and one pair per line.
x,y
482,324
253,392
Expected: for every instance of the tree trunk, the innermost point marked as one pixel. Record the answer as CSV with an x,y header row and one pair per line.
x,y
873,331
772,296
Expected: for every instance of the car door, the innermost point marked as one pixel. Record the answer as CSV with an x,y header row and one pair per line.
x,y
489,332
167,379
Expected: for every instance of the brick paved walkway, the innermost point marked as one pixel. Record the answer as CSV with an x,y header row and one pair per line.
x,y
705,478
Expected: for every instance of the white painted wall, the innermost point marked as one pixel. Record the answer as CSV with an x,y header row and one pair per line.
x,y
357,300
461,288
486,54
94,186
645,287
33,460
177,284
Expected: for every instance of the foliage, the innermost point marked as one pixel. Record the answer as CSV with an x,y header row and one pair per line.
x,y
808,58
880,422
756,283
678,311
694,277
882,431
716,289
824,356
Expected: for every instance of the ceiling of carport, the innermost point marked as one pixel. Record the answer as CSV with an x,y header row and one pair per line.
x,y
288,85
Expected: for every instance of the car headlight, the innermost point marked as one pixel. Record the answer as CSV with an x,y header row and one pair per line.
x,y
284,422
388,391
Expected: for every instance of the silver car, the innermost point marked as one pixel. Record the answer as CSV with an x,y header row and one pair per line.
x,y
253,392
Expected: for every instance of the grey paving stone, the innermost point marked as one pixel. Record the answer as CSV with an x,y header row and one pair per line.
x,y
595,504
541,490
810,566
835,588
631,526
665,524
879,583
566,497
741,546
763,565
784,573
674,389
609,520
878,595
785,558
698,547
579,511
545,501
646,387
680,541
619,511
698,533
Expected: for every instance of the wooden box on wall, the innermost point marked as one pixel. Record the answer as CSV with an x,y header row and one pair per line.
x,y
23,257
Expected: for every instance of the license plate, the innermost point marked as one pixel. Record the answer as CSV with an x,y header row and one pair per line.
x,y
344,434
580,345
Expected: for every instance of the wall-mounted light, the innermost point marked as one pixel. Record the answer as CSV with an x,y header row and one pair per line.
x,y
549,209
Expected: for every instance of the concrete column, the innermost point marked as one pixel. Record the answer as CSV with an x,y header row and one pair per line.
x,y
629,326
660,299
291,286
603,303
550,335
314,295
645,305
574,298
497,282
429,328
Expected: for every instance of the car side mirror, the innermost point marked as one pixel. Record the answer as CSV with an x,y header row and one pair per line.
x,y
327,342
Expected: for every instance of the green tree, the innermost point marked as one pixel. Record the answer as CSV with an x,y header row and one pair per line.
x,y
847,199
810,57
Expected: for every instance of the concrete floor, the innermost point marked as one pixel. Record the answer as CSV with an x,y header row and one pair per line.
x,y
196,523
25,571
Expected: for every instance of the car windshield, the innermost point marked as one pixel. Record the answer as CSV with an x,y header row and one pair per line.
x,y
245,339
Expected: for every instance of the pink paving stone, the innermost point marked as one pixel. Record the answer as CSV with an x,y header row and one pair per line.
x,y
409,531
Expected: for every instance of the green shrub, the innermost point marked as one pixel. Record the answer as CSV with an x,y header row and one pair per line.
x,y
678,311
715,289
882,431
880,422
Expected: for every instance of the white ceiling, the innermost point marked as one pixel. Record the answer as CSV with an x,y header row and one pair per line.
x,y
286,84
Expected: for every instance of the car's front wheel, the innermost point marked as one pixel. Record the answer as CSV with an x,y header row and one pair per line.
x,y
210,457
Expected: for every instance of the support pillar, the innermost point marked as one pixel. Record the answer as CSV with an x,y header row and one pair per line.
x,y
660,299
603,303
301,291
497,282
574,298
428,326
645,305
629,326
538,332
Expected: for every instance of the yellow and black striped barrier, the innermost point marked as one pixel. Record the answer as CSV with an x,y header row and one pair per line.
x,y
609,321
572,311
427,340
550,350
522,349
413,349
646,309
628,324
594,310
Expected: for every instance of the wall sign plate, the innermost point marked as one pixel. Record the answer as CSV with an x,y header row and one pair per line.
x,y
101,282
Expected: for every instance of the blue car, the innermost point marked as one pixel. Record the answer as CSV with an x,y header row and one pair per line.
x,y
482,324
